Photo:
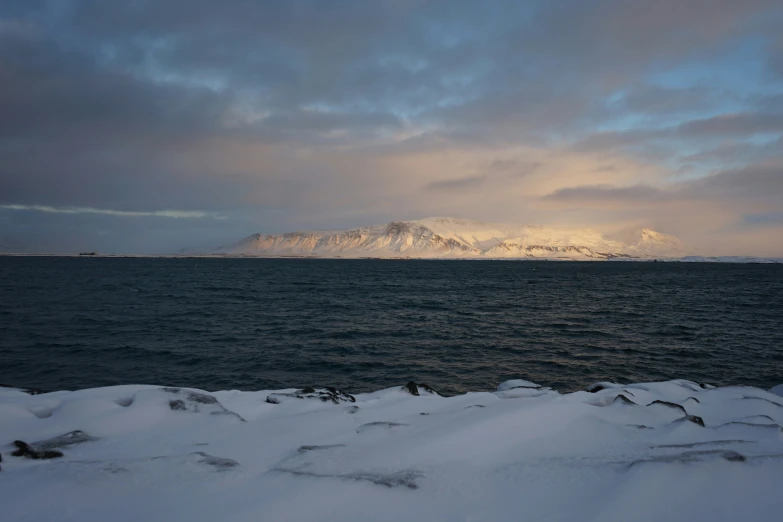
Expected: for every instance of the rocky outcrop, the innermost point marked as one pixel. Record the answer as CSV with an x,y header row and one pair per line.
x,y
327,394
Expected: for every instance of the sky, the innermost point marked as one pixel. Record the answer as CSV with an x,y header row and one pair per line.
x,y
148,126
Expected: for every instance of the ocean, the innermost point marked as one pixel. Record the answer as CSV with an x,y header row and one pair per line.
x,y
363,325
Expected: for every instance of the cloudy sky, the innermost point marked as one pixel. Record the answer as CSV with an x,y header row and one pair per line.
x,y
149,126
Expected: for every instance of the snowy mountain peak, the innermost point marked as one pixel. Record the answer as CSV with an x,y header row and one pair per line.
x,y
651,236
446,237
657,243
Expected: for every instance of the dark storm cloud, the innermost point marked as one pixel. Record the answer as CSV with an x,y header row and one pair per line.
x,y
295,108
760,182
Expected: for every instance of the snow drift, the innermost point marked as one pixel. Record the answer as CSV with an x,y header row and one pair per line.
x,y
672,450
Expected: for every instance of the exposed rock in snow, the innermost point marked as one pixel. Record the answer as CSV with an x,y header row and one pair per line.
x,y
327,394
62,441
417,389
458,238
23,449
185,400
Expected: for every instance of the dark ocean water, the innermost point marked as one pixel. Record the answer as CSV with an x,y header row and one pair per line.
x,y
68,323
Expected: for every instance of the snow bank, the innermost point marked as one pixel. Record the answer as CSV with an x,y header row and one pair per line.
x,y
672,450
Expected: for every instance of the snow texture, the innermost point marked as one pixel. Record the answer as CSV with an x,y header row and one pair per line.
x,y
672,451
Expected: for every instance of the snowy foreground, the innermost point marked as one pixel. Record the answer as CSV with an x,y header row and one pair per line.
x,y
655,451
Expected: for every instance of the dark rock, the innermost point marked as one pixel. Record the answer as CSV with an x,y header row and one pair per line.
x,y
639,426
380,424
30,391
219,463
623,400
428,389
25,450
705,443
691,418
351,409
414,389
305,449
405,478
390,480
595,388
695,456
61,441
693,399
191,396
191,401
327,394
695,419
752,425
669,405
202,398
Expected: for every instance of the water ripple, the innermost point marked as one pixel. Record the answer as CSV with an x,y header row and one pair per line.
x,y
364,325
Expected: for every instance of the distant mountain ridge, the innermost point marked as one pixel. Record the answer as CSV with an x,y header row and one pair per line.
x,y
444,237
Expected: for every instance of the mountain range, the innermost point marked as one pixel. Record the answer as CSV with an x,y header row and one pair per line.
x,y
444,237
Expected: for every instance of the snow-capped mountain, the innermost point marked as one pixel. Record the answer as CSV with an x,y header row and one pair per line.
x,y
457,238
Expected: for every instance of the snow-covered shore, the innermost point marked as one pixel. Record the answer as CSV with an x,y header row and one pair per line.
x,y
675,450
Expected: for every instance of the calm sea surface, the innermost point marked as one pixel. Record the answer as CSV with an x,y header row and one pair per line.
x,y
68,323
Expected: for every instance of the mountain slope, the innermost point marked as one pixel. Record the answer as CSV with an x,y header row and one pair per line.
x,y
456,238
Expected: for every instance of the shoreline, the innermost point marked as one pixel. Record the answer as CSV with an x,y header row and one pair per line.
x,y
744,260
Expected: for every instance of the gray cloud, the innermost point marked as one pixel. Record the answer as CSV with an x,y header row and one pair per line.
x,y
515,168
758,182
456,183
608,192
